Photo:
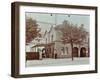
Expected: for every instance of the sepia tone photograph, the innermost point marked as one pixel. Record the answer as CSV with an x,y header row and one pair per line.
x,y
54,39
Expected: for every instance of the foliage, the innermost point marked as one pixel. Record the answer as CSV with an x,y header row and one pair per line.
x,y
72,34
32,30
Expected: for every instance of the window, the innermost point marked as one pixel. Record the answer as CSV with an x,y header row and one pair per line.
x,y
62,50
51,37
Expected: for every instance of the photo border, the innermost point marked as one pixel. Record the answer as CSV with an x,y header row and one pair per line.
x,y
15,6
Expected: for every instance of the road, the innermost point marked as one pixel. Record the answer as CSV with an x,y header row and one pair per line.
x,y
57,62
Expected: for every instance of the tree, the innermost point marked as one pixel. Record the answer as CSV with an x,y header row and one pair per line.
x,y
32,30
72,34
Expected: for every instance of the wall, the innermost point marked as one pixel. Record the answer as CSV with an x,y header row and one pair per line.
x,y
5,40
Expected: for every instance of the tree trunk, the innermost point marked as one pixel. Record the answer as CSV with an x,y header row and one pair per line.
x,y
72,50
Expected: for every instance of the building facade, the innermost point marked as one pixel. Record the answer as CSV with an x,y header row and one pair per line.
x,y
52,46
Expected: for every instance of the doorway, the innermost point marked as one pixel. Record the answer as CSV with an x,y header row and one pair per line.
x,y
83,52
75,52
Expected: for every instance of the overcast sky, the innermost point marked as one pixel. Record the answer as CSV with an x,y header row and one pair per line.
x,y
45,20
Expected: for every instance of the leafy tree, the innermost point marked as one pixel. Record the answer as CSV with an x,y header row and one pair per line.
x,y
72,34
32,30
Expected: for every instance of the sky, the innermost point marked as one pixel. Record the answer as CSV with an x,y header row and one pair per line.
x,y
46,20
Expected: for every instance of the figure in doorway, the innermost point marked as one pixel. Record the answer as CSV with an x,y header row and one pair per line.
x,y
43,53
55,53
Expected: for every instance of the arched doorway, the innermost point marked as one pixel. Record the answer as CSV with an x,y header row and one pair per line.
x,y
83,52
75,52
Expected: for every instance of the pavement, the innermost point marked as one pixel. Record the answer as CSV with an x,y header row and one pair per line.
x,y
57,62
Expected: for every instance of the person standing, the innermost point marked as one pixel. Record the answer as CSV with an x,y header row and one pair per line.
x,y
55,53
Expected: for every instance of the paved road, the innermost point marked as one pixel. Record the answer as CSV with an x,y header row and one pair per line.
x,y
57,62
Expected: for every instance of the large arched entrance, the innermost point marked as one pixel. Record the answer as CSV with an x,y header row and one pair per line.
x,y
83,52
75,52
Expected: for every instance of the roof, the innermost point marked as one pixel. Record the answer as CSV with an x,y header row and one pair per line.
x,y
43,45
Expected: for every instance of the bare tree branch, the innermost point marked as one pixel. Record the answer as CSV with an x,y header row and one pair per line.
x,y
72,33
